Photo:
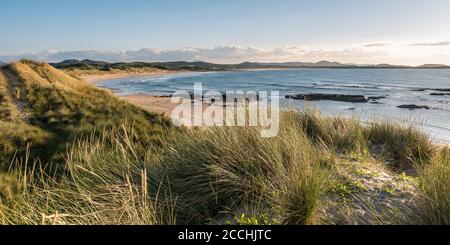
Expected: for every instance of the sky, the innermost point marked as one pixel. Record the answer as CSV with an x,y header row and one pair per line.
x,y
408,32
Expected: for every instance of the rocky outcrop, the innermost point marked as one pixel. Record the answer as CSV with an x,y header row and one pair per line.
x,y
376,97
333,97
431,89
414,107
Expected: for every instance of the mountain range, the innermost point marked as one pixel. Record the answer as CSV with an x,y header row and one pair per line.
x,y
205,66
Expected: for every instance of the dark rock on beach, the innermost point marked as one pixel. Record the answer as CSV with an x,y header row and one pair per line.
x,y
334,97
414,107
418,89
431,89
376,97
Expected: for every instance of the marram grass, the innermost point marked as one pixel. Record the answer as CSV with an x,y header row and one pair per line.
x,y
207,176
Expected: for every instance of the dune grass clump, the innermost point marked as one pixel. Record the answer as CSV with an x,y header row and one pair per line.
x,y
402,146
225,167
435,188
106,182
343,135
16,139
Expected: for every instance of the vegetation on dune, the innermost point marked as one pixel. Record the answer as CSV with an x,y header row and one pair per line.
x,y
7,112
57,108
15,136
232,176
123,165
402,146
211,171
200,178
435,188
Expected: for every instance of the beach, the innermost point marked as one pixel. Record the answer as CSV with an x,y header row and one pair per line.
x,y
110,76
157,104
386,92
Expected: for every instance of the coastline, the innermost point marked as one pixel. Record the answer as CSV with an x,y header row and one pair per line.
x,y
162,104
102,77
156,104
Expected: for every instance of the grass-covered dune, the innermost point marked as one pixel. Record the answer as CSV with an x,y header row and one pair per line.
x,y
318,170
44,110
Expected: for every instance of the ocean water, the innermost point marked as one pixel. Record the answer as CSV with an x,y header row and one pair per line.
x,y
397,85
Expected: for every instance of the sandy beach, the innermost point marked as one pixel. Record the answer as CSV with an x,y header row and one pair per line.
x,y
157,104
109,76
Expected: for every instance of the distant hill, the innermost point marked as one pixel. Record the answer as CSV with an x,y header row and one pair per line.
x,y
205,66
434,66
47,109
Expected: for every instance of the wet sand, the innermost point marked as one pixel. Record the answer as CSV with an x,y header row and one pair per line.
x,y
156,104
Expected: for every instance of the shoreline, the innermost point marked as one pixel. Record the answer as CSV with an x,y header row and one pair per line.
x,y
161,104
156,104
112,76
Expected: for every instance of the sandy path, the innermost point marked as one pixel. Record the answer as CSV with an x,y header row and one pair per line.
x,y
18,93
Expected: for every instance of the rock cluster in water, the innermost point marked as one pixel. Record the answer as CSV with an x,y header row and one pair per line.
x,y
334,97
414,107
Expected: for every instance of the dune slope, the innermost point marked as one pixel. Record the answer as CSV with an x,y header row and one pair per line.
x,y
45,109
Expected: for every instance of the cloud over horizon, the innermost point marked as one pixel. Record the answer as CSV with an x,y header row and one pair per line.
x,y
431,44
369,53
219,54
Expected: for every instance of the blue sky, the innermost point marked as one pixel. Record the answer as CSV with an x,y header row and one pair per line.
x,y
388,31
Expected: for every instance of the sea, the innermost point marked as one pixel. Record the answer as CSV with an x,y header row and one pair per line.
x,y
396,86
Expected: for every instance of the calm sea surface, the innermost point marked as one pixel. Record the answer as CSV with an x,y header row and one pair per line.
x,y
397,85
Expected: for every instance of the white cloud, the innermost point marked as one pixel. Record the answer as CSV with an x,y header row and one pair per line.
x,y
219,54
431,44
376,45
370,53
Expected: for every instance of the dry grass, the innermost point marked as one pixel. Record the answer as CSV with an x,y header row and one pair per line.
x,y
435,188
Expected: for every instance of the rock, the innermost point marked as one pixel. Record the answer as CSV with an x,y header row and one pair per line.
x,y
439,94
334,97
236,98
376,97
431,89
414,107
419,90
